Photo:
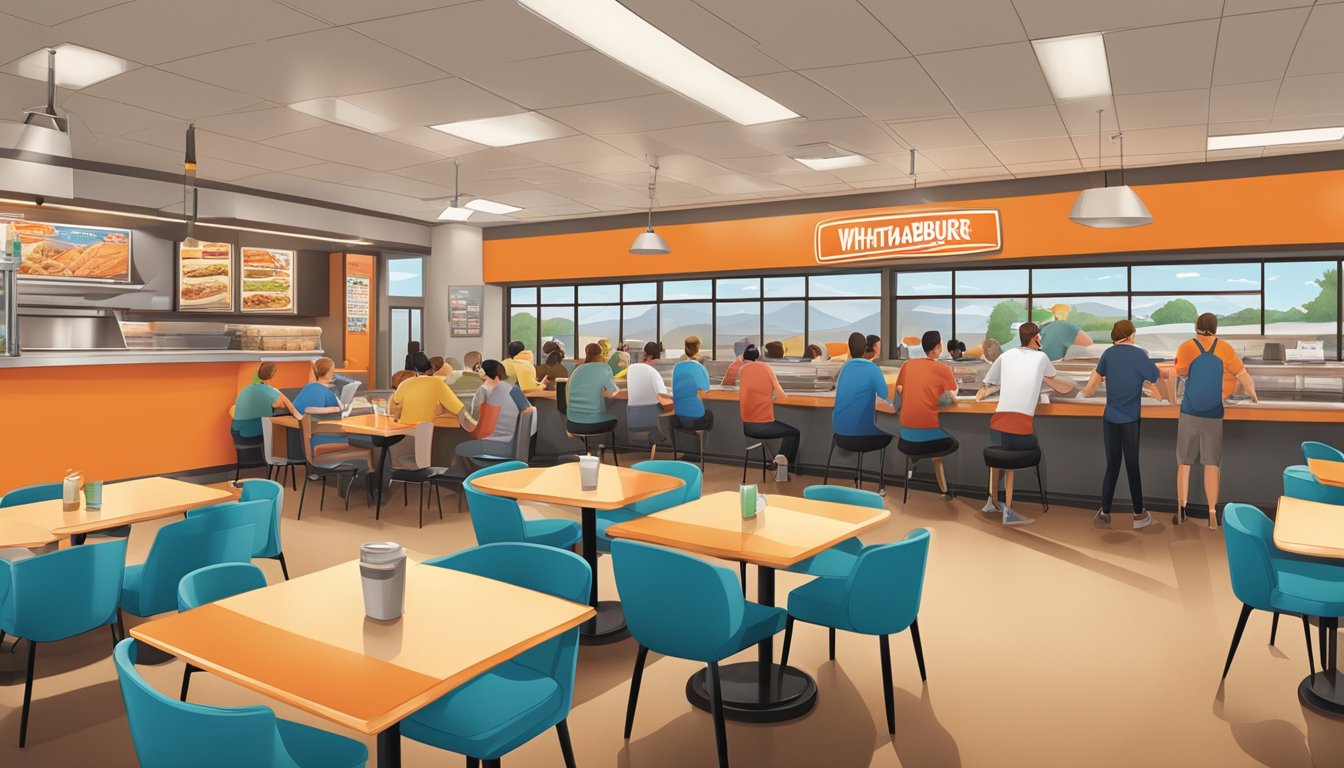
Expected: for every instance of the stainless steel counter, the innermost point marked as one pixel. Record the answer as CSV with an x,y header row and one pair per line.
x,y
140,357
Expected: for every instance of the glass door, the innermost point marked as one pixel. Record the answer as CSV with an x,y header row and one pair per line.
x,y
406,327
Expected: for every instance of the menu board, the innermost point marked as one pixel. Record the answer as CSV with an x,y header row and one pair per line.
x,y
268,280
79,253
356,304
205,278
464,310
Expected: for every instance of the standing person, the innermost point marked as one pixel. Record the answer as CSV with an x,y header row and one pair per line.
x,y
859,388
643,383
758,390
415,358
921,384
1128,372
1018,375
257,401
1211,372
494,391
691,348
1061,333
518,367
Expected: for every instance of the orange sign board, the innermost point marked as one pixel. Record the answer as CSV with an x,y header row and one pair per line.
x,y
897,235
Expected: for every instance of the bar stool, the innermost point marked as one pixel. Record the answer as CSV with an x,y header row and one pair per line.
x,y
916,452
860,445
767,455
699,436
1002,458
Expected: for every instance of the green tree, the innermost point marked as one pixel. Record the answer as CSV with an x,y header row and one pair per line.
x,y
523,327
1175,311
1001,320
1324,307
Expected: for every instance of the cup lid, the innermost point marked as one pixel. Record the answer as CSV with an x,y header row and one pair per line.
x,y
380,551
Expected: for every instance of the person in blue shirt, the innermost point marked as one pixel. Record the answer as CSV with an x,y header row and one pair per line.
x,y
317,399
689,379
1128,372
859,387
257,401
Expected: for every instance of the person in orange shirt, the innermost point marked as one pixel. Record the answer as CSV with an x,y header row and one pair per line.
x,y
922,383
757,392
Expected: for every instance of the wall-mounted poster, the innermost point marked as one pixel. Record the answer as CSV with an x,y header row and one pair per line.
x,y
205,278
77,253
268,280
356,304
464,310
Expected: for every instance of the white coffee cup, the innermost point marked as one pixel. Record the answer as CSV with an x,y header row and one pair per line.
x,y
382,568
588,466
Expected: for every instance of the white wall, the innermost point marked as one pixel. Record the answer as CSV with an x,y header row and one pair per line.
x,y
455,259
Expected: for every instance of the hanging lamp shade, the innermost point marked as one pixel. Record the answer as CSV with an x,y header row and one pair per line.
x,y
1110,208
650,243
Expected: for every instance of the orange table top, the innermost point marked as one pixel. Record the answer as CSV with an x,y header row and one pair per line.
x,y
131,501
1326,471
1309,528
789,530
616,486
307,643
370,422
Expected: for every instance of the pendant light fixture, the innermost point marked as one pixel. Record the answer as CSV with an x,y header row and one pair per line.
x,y
455,212
1110,207
648,242
189,189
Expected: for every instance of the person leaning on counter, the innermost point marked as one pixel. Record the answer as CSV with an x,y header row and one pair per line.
x,y
258,401
758,389
921,383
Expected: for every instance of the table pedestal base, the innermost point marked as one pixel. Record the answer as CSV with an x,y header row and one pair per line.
x,y
1317,693
607,627
791,693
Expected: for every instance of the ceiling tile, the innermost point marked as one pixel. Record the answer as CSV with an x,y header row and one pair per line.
x,y
1319,50
601,166
1052,18
1012,153
1310,95
993,77
855,134
1297,149
599,194
217,146
1080,115
733,184
811,34
710,141
1299,122
126,191
688,168
1164,141
1015,124
438,101
801,95
111,118
342,12
767,165
438,142
1163,109
1243,101
400,185
936,134
157,31
333,172
923,164
122,151
1044,168
1257,46
993,173
533,199
566,150
643,113
708,35
560,80
1174,57
1170,158
19,37
1234,154
260,124
885,90
330,62
1233,7
170,94
925,27
961,157
49,13
346,145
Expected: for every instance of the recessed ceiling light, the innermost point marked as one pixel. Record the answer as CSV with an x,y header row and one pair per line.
x,y
490,206
341,111
613,29
1075,66
1276,138
522,128
453,213
76,66
828,157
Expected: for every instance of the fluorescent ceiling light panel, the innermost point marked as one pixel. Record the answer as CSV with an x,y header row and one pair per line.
x,y
76,66
452,213
1075,66
490,206
506,131
1276,138
613,29
341,111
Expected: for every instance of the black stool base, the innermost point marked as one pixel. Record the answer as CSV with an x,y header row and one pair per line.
x,y
607,627
1318,694
792,693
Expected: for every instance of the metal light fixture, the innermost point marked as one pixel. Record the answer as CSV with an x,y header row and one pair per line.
x,y
455,212
648,242
1110,207
189,189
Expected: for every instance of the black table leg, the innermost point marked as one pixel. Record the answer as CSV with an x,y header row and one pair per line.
x,y
608,626
384,442
389,747
759,691
1321,691
77,539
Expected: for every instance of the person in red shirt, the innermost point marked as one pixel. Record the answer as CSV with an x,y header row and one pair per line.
x,y
758,389
921,384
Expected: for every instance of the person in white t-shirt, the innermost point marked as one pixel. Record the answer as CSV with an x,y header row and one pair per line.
x,y
1018,375
643,382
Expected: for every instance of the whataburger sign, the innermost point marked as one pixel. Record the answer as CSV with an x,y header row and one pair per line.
x,y
904,235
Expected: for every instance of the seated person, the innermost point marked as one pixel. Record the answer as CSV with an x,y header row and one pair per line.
x,y
470,378
399,377
956,349
316,399
774,350
518,367
439,367
553,369
757,393
257,401
423,398
872,346
814,354
859,387
691,347
730,376
689,379
590,385
414,357
620,359
503,395
644,384
922,384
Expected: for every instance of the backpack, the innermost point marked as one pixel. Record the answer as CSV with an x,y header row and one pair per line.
x,y
1204,384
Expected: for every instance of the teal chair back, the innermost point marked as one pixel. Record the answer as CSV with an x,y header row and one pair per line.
x,y
259,514
676,604
169,733
216,582
31,493
841,494
495,519
181,548
1249,537
62,593
539,568
267,490
1314,450
686,473
886,584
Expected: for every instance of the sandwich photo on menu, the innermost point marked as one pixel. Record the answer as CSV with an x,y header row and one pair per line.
x,y
205,278
268,280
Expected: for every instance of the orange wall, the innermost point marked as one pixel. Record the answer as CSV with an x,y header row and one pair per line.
x,y
359,347
1293,209
119,421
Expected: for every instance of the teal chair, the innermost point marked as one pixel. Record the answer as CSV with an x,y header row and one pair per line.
x,y
514,702
689,474
681,606
497,519
30,494
879,596
151,587
258,513
839,560
1299,483
257,490
211,583
1266,578
58,595
169,733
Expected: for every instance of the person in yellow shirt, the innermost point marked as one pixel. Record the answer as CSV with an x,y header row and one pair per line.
x,y
518,368
424,397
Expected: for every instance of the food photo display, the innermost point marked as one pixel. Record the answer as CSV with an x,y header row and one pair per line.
x,y
74,253
205,277
268,280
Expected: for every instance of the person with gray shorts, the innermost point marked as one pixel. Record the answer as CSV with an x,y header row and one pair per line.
x,y
1199,441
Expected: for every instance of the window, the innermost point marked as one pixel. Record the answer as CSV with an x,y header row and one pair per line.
x,y
1184,278
924,284
599,322
599,294
776,287
523,326
557,294
557,323
679,320
1162,323
915,316
678,290
996,319
522,296
831,321
406,277
1066,280
783,321
824,286
738,288
1302,302
991,282
736,321
639,323
1094,315
640,292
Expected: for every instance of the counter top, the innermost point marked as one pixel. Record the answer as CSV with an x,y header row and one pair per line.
x,y
141,356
